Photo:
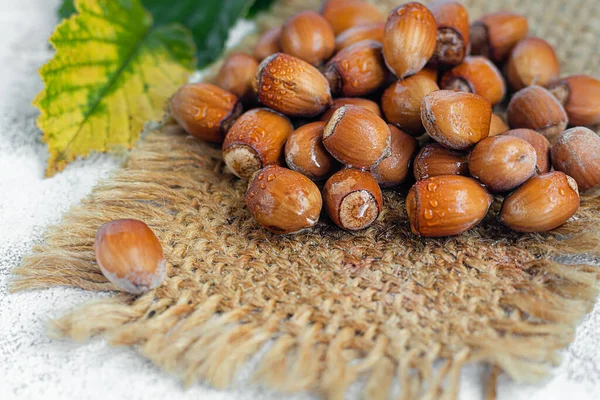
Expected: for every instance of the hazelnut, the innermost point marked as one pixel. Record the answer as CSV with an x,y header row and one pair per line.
x,y
236,75
347,14
308,36
305,153
502,162
535,108
355,101
456,120
205,111
409,39
532,62
130,255
580,96
357,137
494,35
268,44
577,153
446,205
352,199
292,86
539,143
401,102
283,201
497,126
452,33
430,73
394,169
476,75
543,203
435,160
255,140
358,34
357,70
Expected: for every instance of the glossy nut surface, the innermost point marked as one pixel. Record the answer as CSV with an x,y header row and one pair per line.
x,y
580,96
394,169
352,199
357,137
130,255
359,33
401,102
497,126
577,153
409,39
305,153
532,62
347,14
236,75
456,120
308,36
476,75
435,160
535,108
268,44
495,34
357,70
446,205
539,143
355,101
292,86
255,140
543,203
452,33
502,162
283,201
205,111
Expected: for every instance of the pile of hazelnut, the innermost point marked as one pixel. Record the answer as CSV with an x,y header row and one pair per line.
x,y
356,102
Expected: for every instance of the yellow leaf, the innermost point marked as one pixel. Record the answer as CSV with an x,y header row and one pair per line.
x,y
112,72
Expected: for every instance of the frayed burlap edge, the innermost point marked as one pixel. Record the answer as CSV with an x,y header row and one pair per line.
x,y
196,334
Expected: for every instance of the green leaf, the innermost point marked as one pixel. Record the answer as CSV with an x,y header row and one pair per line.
x,y
209,20
259,6
112,72
66,9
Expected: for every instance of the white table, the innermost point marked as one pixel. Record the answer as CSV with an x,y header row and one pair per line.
x,y
32,365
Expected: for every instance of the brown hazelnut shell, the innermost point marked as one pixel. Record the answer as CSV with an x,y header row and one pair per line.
x,y
357,70
268,44
292,86
577,154
394,169
346,14
401,102
256,140
305,153
446,205
580,96
308,36
531,62
283,201
495,34
543,203
358,34
409,39
457,120
352,199
204,110
539,143
435,160
452,33
535,108
356,137
502,163
236,75
355,101
476,75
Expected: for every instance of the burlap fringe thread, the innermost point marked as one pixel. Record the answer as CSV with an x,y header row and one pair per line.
x,y
332,306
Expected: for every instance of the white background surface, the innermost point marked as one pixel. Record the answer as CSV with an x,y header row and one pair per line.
x,y
33,366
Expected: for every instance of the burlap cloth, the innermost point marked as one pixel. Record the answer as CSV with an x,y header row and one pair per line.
x,y
336,306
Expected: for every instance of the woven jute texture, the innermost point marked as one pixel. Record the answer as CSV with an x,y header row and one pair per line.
x,y
331,306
